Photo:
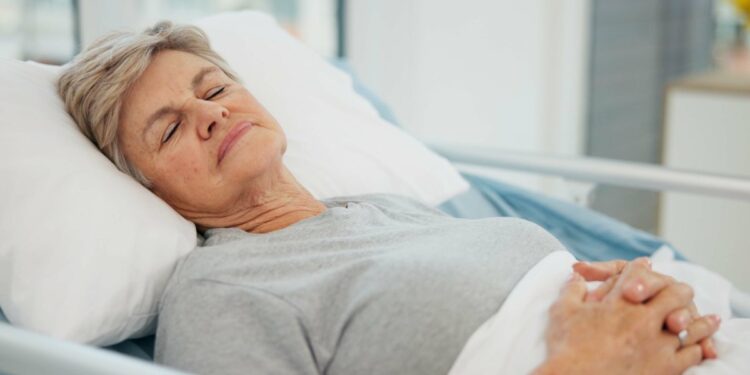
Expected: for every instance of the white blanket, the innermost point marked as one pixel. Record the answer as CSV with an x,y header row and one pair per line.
x,y
512,341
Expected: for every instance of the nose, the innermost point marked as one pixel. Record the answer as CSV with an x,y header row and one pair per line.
x,y
207,116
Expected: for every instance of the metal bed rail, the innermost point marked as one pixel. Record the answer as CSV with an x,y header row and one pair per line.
x,y
602,171
25,352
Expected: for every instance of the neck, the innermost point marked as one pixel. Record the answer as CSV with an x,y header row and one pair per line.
x,y
273,204
282,211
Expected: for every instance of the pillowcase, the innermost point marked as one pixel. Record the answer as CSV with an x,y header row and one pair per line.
x,y
87,251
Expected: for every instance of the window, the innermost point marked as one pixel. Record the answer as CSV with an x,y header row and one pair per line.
x,y
48,30
40,30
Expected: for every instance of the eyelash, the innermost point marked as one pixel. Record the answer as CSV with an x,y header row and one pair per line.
x,y
173,129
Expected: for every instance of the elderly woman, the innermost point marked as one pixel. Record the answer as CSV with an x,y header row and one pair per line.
x,y
285,283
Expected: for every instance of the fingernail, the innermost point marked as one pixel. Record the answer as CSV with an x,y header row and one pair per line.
x,y
715,319
639,289
575,277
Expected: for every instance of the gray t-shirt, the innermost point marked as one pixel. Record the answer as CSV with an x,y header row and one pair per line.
x,y
377,284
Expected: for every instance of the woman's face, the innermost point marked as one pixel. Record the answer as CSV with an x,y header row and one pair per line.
x,y
204,142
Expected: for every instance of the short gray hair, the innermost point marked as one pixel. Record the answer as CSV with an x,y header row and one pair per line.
x,y
94,83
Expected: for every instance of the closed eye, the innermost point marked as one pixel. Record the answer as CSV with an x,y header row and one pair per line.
x,y
173,127
170,130
215,92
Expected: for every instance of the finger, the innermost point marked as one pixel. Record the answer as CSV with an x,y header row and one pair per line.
x,y
599,271
707,344
679,319
701,328
687,357
630,279
644,284
602,290
709,349
675,296
574,291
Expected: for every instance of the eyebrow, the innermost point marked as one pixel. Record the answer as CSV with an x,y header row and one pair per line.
x,y
165,110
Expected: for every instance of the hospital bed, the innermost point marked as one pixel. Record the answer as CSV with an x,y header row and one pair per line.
x,y
588,235
23,352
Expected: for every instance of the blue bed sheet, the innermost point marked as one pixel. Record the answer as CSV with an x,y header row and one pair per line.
x,y
587,234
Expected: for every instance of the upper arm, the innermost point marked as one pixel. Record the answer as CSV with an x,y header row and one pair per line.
x,y
209,327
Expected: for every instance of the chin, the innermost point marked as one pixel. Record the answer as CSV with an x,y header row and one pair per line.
x,y
255,162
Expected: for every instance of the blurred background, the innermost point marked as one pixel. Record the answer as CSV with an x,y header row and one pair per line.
x,y
652,81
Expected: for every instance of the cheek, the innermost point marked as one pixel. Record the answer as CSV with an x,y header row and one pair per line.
x,y
183,169
243,102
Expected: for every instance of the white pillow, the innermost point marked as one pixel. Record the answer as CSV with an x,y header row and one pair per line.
x,y
86,251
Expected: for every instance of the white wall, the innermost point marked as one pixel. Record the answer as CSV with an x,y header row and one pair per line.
x,y
503,73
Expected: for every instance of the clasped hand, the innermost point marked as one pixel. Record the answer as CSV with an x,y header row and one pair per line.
x,y
629,324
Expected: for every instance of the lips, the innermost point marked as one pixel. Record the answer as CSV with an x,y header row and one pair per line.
x,y
232,137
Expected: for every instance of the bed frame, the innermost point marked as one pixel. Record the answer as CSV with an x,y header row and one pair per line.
x,y
23,352
601,171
